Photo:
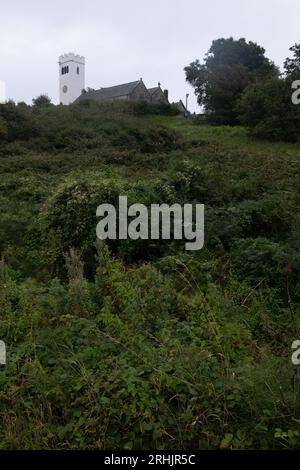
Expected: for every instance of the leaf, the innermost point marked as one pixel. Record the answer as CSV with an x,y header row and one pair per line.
x,y
128,445
226,441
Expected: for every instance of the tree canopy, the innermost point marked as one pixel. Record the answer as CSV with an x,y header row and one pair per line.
x,y
42,100
292,64
229,67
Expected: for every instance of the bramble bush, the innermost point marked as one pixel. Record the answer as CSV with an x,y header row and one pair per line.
x,y
123,362
137,344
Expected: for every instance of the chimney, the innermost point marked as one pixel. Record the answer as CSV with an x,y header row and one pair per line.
x,y
166,93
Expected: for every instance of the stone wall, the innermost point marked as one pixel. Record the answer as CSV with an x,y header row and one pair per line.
x,y
159,97
140,93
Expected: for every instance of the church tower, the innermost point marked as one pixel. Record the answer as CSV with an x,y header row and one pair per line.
x,y
71,77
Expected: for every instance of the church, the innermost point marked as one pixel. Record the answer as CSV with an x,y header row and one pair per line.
x,y
72,86
133,91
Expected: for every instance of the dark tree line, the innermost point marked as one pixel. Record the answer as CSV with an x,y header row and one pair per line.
x,y
238,84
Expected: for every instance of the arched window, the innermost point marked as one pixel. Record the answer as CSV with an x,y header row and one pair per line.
x,y
77,70
65,70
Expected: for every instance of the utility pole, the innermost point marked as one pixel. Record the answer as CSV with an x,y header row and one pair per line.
x,y
186,100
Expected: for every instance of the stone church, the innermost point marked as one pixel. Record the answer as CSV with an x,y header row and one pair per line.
x,y
133,91
72,86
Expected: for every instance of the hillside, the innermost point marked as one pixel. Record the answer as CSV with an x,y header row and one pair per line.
x,y
142,344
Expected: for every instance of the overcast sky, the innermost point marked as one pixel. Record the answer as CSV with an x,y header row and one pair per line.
x,y
124,40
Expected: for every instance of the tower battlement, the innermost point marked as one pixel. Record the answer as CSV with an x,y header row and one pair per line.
x,y
70,56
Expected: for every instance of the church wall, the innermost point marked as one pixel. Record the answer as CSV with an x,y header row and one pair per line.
x,y
159,97
120,98
140,93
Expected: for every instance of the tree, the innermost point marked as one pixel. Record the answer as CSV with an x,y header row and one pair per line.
x,y
229,67
292,65
267,110
20,122
3,128
42,100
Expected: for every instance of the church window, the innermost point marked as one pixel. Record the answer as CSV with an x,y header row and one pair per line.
x,y
65,70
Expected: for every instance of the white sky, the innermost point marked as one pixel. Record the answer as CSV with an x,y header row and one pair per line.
x,y
124,40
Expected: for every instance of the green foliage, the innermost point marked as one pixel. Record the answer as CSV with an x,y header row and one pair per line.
x,y
292,65
229,67
20,123
263,260
267,110
42,100
143,108
90,125
3,129
139,344
124,362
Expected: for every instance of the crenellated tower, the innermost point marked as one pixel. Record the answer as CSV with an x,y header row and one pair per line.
x,y
71,77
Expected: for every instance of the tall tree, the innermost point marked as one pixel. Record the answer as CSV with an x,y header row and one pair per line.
x,y
292,65
229,67
267,110
42,100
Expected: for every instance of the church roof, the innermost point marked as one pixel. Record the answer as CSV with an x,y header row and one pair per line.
x,y
179,103
110,92
153,90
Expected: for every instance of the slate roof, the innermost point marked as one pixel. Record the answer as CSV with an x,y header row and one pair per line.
x,y
153,90
110,92
179,104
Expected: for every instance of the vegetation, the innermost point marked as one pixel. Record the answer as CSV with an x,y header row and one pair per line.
x,y
237,84
42,100
266,108
229,67
142,344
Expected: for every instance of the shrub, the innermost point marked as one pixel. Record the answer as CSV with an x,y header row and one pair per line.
x,y
68,218
161,109
267,110
3,129
42,100
263,260
21,124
